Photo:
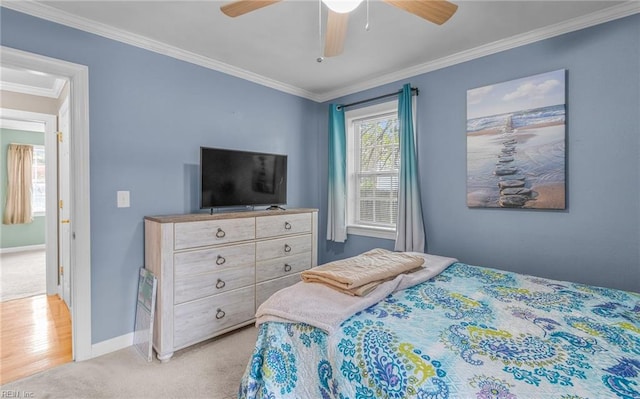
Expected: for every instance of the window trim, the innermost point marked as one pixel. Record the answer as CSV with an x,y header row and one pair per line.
x,y
351,116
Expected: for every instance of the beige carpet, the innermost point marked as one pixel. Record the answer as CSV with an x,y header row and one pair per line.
x,y
22,274
212,370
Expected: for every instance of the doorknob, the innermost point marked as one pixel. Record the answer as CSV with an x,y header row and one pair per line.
x,y
65,221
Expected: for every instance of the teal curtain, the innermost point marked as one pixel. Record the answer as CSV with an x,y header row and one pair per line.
x,y
410,234
337,207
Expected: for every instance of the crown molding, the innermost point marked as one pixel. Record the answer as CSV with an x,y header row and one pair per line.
x,y
609,14
49,13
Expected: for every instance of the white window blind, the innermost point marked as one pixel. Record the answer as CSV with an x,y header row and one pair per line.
x,y
38,197
377,169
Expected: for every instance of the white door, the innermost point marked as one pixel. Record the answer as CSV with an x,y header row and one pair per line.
x,y
64,204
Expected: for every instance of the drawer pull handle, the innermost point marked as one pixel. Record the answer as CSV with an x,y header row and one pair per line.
x,y
287,248
287,267
220,284
220,260
287,226
220,233
220,314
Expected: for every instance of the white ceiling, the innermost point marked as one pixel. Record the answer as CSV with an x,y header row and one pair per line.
x,y
278,45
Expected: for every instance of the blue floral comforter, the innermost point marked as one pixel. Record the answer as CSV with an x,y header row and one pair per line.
x,y
471,332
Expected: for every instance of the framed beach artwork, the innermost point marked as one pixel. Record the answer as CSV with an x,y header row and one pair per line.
x,y
516,143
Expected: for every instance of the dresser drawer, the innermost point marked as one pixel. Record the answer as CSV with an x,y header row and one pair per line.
x,y
208,260
213,232
195,286
266,289
280,267
201,319
278,225
283,247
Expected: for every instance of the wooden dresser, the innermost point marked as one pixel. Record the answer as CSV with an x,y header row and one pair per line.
x,y
215,270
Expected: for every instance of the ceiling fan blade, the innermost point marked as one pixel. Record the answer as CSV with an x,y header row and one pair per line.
x,y
436,11
242,7
336,33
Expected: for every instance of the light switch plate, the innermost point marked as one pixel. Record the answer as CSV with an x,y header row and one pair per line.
x,y
123,199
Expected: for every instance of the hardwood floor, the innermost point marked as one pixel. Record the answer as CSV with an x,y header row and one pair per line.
x,y
35,335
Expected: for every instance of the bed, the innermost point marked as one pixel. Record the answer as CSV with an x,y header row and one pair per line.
x,y
468,332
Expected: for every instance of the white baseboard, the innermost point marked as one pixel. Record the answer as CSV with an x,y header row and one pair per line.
x,y
111,345
22,249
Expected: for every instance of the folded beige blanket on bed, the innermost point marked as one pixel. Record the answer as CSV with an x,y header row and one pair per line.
x,y
361,274
326,308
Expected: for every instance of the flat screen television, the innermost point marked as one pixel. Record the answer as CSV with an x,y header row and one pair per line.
x,y
241,178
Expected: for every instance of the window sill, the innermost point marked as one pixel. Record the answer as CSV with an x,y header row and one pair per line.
x,y
369,231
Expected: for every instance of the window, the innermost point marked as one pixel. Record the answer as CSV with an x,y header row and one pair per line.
x,y
373,166
38,203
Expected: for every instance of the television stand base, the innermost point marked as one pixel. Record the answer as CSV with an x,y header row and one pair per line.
x,y
275,208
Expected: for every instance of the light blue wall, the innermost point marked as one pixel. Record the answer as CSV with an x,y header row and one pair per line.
x,y
597,239
26,234
149,114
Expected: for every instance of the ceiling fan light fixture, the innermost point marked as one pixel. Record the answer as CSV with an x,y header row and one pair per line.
x,y
342,6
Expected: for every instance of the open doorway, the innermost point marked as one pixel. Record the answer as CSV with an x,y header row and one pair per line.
x,y
78,219
26,246
35,298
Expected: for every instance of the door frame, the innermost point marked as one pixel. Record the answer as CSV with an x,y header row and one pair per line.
x,y
51,190
64,233
80,261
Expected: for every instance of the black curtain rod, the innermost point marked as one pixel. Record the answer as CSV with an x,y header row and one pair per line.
x,y
413,89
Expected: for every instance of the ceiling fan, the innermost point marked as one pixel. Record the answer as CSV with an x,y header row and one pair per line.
x,y
436,11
